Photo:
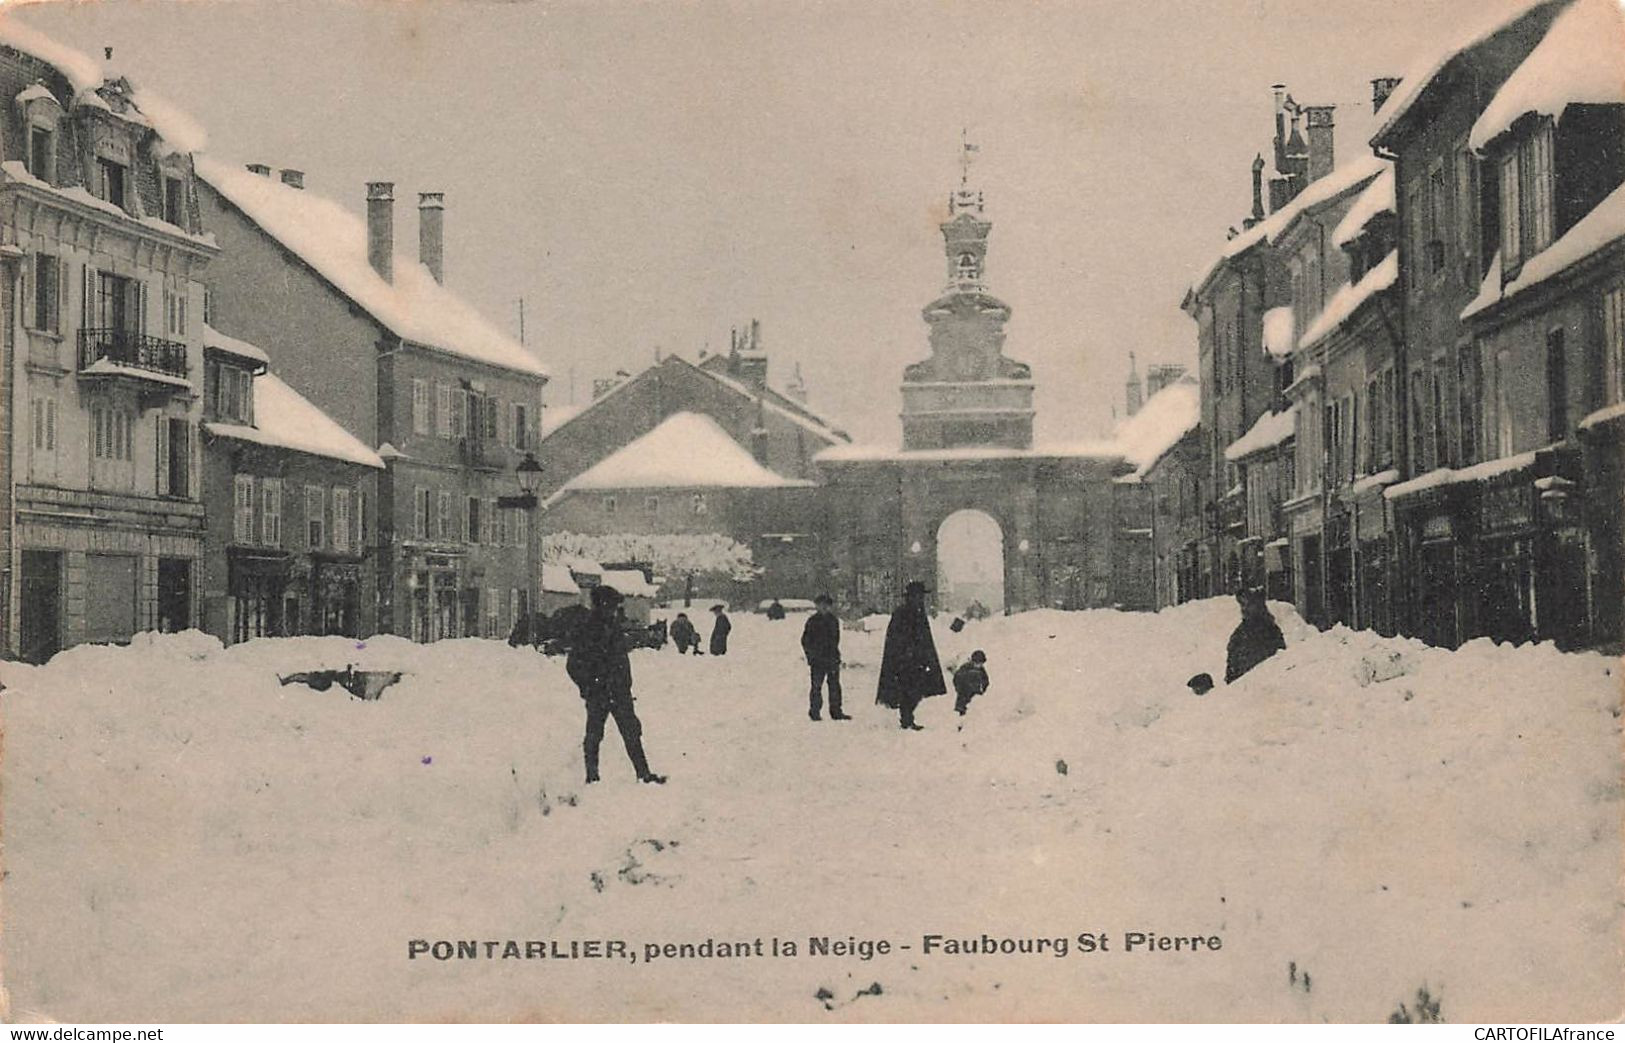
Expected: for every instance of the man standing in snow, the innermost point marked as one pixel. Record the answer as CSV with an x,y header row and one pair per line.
x,y
601,669
821,641
1256,637
719,631
909,668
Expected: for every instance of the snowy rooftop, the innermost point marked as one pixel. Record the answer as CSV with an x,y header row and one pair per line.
x,y
1269,431
1165,418
1279,335
555,417
213,338
630,582
333,240
684,451
15,171
1345,177
1602,227
285,419
1346,301
1378,198
888,454
1580,60
557,579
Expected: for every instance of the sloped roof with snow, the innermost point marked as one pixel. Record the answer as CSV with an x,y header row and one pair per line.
x,y
1581,60
1165,418
213,338
1601,228
1346,301
630,583
873,453
333,241
285,419
1267,432
1378,198
557,579
684,451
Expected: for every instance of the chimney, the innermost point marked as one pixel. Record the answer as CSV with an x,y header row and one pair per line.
x,y
259,168
1133,396
1258,191
1320,125
293,178
381,228
1278,90
431,233
1381,88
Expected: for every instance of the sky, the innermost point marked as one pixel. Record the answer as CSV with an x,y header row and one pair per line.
x,y
647,175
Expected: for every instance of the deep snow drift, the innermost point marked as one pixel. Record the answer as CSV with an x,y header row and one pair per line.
x,y
187,840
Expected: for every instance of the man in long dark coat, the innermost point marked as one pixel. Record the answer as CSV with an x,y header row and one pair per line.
x,y
719,631
821,643
1255,639
909,668
601,669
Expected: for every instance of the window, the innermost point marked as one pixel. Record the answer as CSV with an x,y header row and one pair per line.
x,y
233,390
174,457
1537,171
342,526
1441,430
420,406
1419,461
521,426
44,423
492,408
1557,386
1436,217
1417,234
700,506
1503,404
1467,212
46,293
1613,344
1468,390
42,153
271,512
651,504
315,529
521,527
114,432
443,519
420,513
475,509
242,522
110,178
175,201
442,411
360,520
175,312
459,413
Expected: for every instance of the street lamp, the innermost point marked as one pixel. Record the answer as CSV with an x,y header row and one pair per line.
x,y
529,473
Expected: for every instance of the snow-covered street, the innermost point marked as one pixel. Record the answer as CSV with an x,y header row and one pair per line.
x,y
1360,817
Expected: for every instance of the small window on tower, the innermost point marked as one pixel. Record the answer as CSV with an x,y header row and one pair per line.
x,y
967,265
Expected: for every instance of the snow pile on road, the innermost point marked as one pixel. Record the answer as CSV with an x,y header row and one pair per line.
x,y
187,839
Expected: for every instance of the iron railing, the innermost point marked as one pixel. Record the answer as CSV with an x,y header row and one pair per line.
x,y
136,350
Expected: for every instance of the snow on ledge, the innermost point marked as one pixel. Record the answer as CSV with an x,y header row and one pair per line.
x,y
1373,482
1581,60
1451,476
1346,301
1378,198
1602,416
886,454
213,338
1267,432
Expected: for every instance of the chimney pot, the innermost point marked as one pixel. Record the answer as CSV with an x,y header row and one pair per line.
x,y
381,228
293,178
1320,125
259,168
1381,88
431,233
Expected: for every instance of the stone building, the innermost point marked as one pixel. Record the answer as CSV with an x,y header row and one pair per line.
x,y
375,341
968,504
1161,439
103,254
286,493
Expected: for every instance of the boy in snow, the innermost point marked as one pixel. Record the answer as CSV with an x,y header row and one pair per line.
x,y
1255,639
821,643
683,634
970,680
601,669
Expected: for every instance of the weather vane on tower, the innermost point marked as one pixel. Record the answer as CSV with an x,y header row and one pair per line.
x,y
965,199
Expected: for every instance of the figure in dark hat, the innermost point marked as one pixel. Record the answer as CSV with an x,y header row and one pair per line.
x,y
601,669
821,642
720,630
909,668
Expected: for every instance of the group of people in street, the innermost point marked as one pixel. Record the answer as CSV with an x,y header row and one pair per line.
x,y
686,636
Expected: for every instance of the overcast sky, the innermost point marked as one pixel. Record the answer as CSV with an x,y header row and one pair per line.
x,y
646,175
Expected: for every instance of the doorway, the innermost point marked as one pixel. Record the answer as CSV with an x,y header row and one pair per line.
x,y
41,624
970,563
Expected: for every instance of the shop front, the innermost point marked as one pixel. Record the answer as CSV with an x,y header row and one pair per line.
x,y
335,595
256,590
1436,529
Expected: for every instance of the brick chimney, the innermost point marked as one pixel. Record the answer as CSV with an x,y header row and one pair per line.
x,y
1381,87
259,168
748,361
1258,192
431,233
1318,119
293,178
381,228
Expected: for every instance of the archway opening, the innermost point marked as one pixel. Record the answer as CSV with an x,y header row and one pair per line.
x,y
970,562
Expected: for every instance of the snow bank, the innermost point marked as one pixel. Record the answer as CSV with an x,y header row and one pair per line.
x,y
288,420
684,451
1580,60
1381,814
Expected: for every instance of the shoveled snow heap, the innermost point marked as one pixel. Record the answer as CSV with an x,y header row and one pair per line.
x,y
1581,60
684,451
286,419
333,240
1161,422
187,840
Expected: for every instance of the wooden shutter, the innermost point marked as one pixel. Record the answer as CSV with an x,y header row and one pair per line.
x,y
61,295
87,299
30,319
162,442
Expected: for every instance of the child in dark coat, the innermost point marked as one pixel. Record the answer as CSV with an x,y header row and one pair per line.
x,y
970,680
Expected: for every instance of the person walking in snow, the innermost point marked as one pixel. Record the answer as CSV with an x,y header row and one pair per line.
x,y
1256,637
909,668
602,670
683,634
970,680
719,631
821,642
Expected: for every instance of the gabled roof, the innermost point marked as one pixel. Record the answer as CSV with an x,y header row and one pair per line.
x,y
285,419
333,241
1580,60
684,451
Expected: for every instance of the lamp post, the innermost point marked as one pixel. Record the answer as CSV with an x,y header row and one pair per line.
x,y
529,473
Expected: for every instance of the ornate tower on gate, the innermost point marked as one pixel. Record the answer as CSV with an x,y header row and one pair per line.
x,y
967,393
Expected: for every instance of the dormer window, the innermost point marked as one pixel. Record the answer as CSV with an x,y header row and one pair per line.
x,y
110,182
42,153
1528,211
233,394
175,201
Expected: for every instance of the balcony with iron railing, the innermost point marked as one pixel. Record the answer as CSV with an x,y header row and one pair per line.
x,y
112,350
